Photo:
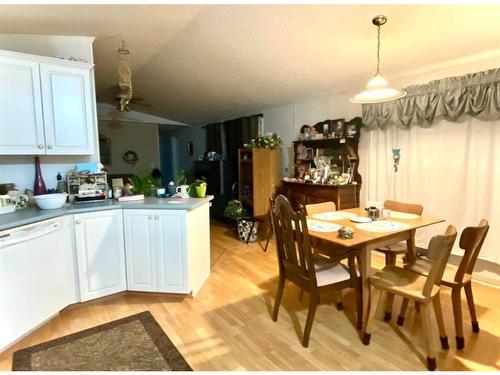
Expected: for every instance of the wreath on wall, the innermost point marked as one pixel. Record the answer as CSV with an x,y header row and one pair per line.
x,y
130,157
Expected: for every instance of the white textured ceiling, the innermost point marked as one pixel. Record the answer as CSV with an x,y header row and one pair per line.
x,y
197,63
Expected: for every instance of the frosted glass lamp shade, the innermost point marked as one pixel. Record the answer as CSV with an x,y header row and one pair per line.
x,y
377,91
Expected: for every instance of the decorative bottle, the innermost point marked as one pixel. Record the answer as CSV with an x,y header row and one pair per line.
x,y
39,186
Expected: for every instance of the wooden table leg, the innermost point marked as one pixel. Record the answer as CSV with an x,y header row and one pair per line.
x,y
411,251
365,269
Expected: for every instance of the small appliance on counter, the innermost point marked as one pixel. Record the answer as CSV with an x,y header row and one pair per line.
x,y
85,186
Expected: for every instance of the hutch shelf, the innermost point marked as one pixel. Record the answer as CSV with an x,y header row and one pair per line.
x,y
342,156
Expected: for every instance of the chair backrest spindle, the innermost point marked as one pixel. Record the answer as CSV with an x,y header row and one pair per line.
x,y
292,239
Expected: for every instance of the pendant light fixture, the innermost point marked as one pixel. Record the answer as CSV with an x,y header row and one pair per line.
x,y
378,89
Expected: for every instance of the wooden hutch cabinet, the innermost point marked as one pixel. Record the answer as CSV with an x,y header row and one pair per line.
x,y
343,152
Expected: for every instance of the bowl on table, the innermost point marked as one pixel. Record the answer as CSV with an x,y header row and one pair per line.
x,y
50,201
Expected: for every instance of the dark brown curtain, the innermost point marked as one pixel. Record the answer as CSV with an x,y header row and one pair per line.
x,y
214,137
238,132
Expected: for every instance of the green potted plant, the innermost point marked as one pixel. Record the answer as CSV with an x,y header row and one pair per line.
x,y
269,140
238,218
143,184
198,188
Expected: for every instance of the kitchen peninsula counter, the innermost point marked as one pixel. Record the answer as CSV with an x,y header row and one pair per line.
x,y
56,258
31,215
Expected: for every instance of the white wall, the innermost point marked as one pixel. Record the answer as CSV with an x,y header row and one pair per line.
x,y
141,138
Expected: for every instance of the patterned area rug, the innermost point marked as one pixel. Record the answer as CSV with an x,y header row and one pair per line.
x,y
135,343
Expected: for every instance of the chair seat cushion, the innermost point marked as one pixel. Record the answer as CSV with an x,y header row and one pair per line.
x,y
397,248
402,282
330,272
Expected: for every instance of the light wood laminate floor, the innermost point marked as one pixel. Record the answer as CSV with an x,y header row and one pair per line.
x,y
228,325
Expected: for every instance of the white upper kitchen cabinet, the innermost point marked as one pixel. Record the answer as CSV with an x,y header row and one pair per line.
x,y
67,109
47,106
100,253
21,117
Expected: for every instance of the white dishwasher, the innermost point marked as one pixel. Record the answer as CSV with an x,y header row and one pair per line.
x,y
37,276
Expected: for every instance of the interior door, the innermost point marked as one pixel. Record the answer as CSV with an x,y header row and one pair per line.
x,y
21,118
171,251
68,109
140,250
100,253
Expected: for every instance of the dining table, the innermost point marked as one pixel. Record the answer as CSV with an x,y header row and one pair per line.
x,y
366,237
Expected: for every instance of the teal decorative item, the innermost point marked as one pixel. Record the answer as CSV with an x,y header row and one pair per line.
x,y
396,156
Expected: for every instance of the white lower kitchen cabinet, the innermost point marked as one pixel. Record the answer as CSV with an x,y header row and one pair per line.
x,y
37,276
100,253
167,250
140,252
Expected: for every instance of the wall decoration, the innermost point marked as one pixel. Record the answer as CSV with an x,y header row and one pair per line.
x,y
190,149
396,156
130,157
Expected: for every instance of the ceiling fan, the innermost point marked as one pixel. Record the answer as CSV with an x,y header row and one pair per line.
x,y
125,94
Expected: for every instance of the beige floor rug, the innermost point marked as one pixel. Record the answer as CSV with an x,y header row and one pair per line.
x,y
134,343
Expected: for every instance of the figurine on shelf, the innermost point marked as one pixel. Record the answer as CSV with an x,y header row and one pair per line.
x,y
301,170
304,132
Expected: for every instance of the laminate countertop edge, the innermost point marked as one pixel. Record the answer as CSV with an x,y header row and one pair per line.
x,y
30,215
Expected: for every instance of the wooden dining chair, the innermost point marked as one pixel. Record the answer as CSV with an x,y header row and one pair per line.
x,y
416,287
392,251
471,241
316,208
298,265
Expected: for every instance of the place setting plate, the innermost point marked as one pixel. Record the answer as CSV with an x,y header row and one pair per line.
x,y
333,215
403,215
321,226
381,226
360,219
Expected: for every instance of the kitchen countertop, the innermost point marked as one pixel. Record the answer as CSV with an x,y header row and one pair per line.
x,y
31,215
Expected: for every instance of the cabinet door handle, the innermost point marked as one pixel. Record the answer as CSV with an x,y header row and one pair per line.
x,y
78,221
40,146
150,217
157,217
49,147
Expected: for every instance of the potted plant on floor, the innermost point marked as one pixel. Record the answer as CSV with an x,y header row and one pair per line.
x,y
239,219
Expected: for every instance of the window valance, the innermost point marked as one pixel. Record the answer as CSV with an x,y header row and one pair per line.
x,y
476,95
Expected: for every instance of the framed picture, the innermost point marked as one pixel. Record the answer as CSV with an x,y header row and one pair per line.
x,y
190,149
309,153
337,128
301,152
352,127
